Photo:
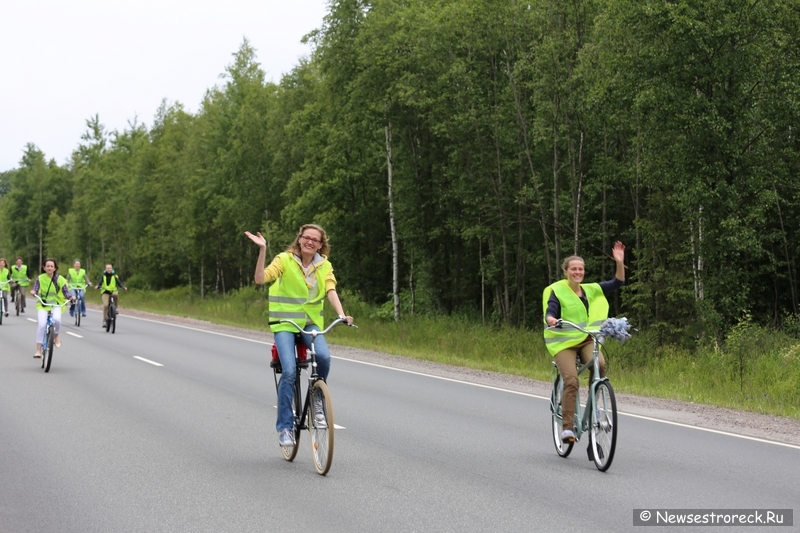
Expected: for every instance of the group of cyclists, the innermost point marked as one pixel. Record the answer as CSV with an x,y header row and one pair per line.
x,y
302,278
51,288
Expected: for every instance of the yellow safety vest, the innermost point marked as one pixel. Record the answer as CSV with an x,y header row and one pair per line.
x,y
289,295
572,309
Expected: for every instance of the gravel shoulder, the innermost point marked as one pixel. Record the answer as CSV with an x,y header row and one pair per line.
x,y
773,428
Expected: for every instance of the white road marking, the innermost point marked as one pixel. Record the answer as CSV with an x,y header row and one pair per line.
x,y
147,360
33,320
500,389
74,334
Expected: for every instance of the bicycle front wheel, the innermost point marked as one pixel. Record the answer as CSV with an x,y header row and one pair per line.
x,y
562,448
603,440
48,350
290,452
320,426
78,313
17,303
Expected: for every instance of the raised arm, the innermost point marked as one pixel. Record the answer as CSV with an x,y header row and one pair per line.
x,y
618,252
262,252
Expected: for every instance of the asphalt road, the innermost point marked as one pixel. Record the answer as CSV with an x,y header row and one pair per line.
x,y
107,442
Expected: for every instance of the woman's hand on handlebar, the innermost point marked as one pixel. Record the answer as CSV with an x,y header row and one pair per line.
x,y
551,321
347,319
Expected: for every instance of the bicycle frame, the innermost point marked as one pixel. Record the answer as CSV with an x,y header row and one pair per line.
x,y
598,420
47,355
311,359
319,419
583,414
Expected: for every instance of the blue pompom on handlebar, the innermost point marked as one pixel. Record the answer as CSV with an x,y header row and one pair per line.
x,y
615,328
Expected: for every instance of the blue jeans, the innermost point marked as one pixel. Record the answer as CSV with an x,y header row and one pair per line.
x,y
75,293
284,340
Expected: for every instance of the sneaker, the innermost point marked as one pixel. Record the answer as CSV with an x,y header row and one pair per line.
x,y
83,314
286,438
567,436
319,413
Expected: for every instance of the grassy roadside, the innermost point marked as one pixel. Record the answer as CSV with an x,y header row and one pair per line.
x,y
755,370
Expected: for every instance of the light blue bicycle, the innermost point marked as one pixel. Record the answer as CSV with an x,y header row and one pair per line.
x,y
599,414
49,334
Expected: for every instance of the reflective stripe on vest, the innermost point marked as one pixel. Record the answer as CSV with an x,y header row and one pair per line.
x,y
288,295
572,309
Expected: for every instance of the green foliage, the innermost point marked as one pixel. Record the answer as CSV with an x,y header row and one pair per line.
x,y
520,133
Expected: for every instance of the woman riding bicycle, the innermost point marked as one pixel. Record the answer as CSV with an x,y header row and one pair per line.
x,y
584,304
19,280
109,283
302,277
52,289
78,280
5,278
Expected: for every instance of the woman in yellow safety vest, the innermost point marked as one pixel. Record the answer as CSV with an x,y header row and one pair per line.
x,y
5,279
52,289
584,304
301,278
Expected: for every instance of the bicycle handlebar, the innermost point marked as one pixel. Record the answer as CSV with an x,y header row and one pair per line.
x,y
561,322
613,328
50,305
313,333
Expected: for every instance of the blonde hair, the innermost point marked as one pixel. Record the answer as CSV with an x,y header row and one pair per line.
x,y
324,250
570,259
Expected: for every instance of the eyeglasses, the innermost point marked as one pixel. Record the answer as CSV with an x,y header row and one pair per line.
x,y
310,239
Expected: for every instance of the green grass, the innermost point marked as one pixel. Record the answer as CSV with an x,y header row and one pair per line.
x,y
755,370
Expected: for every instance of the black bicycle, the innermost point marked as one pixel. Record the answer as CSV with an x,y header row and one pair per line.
x,y
111,319
315,413
19,298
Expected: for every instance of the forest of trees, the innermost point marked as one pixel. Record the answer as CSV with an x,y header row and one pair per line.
x,y
456,151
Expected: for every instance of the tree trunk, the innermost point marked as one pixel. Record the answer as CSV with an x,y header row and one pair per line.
x,y
395,253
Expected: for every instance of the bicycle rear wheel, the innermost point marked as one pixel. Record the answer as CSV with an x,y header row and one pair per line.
x,y
562,448
603,438
321,427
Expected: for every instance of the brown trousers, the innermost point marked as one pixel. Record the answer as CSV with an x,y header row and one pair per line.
x,y
566,363
106,296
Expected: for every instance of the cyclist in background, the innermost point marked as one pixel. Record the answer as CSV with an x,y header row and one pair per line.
x,y
52,289
584,304
5,276
77,281
19,280
303,277
109,283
